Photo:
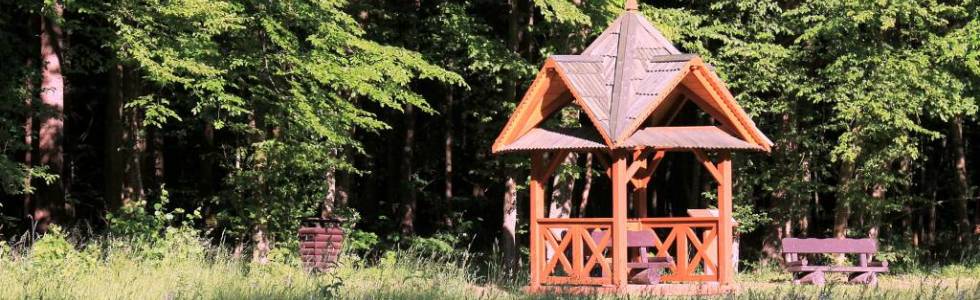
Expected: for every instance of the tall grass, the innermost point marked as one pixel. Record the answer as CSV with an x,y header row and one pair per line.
x,y
180,266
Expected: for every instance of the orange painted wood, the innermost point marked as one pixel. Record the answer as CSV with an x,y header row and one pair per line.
x,y
725,239
530,101
579,254
652,105
619,207
736,109
680,242
702,100
576,221
578,266
708,165
604,161
689,250
702,78
677,110
553,162
536,212
655,161
578,263
558,249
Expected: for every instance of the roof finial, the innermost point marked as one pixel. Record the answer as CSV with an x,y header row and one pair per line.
x,y
631,5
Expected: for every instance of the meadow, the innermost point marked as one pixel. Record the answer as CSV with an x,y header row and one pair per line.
x,y
181,266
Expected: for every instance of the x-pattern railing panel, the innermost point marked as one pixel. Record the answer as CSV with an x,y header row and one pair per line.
x,y
574,250
692,252
576,258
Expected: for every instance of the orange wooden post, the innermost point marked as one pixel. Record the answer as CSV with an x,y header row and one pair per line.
x,y
725,266
537,212
619,206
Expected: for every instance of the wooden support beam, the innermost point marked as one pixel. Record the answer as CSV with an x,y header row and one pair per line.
x,y
619,207
726,270
655,162
536,260
639,161
710,166
700,75
554,161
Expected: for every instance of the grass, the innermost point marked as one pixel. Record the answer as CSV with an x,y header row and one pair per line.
x,y
182,267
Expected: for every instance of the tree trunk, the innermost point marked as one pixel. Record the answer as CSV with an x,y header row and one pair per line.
x,y
878,194
509,225
842,212
508,242
344,181
50,205
961,184
561,198
133,140
447,209
28,158
260,240
156,162
408,197
586,186
330,197
561,192
113,160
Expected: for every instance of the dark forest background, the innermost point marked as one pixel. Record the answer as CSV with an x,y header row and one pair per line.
x,y
239,118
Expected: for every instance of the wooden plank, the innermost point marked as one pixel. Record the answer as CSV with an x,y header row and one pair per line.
x,y
577,234
702,78
619,181
797,245
726,270
588,221
708,165
839,269
680,232
536,212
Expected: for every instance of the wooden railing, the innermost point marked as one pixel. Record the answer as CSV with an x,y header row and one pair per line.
x,y
692,242
575,258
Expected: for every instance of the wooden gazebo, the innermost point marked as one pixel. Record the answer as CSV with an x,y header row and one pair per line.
x,y
631,82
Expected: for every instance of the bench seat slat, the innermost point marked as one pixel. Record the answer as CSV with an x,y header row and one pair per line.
x,y
814,246
837,269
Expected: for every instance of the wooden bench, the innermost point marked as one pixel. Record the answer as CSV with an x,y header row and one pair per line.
x,y
803,272
647,268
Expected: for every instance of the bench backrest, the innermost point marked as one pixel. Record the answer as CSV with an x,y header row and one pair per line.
x,y
795,245
640,238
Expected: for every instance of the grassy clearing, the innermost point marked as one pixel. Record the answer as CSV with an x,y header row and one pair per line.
x,y
182,267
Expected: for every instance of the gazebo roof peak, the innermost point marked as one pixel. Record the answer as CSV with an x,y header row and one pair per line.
x,y
627,77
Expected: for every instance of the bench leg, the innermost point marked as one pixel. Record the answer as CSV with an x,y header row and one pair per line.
x,y
815,277
869,278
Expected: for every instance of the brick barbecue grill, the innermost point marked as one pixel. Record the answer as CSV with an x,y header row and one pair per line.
x,y
320,243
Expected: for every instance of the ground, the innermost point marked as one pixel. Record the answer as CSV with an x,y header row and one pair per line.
x,y
178,268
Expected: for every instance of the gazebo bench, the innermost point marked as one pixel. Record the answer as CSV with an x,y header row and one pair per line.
x,y
803,272
648,268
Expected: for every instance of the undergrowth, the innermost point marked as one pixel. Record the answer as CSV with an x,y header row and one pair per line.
x,y
179,265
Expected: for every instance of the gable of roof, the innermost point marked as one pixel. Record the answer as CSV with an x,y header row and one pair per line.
x,y
625,75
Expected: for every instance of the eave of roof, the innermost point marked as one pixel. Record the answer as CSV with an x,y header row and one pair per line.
x,y
575,139
687,137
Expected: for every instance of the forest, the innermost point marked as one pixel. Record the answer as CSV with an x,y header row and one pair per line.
x,y
237,119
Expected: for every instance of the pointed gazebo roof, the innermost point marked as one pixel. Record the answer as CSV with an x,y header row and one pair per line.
x,y
631,75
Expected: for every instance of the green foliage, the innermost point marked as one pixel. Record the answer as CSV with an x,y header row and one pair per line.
x,y
52,249
134,221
